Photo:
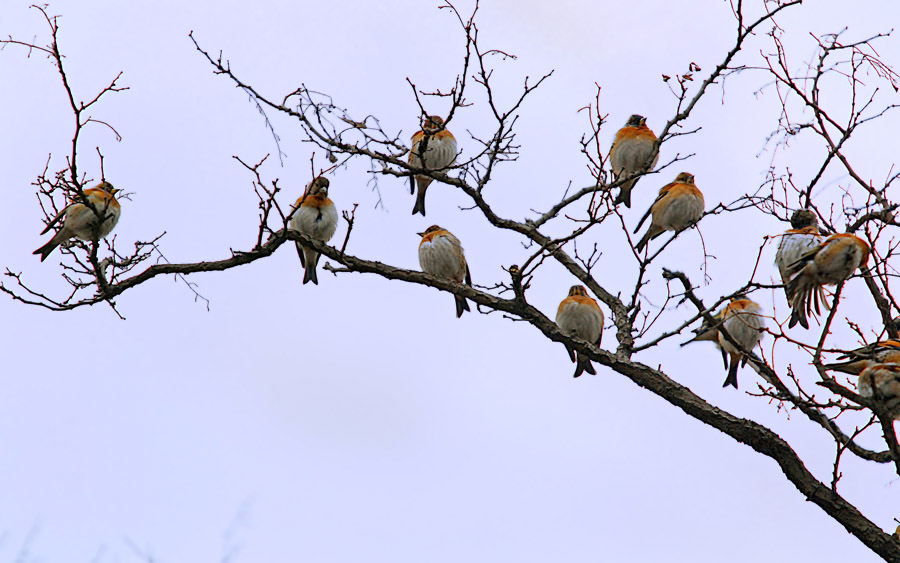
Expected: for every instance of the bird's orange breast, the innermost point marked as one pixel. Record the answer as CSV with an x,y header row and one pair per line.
x,y
678,189
314,201
101,197
430,236
580,300
810,230
631,133
741,305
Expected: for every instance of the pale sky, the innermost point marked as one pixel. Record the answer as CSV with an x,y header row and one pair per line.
x,y
358,420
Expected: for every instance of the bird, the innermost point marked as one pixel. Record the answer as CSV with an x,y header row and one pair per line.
x,y
678,206
830,263
633,151
433,148
441,255
82,222
314,215
742,319
881,383
800,239
855,361
579,314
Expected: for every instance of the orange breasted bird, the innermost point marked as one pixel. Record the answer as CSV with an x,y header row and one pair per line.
x,y
82,222
678,206
441,255
881,383
742,319
633,151
433,148
830,263
579,314
314,215
798,241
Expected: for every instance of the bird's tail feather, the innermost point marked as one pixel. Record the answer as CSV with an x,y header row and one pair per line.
x,y
461,305
45,250
309,273
419,207
583,365
625,194
732,374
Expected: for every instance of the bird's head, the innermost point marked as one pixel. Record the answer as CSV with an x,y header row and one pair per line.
x,y
429,230
685,178
577,290
432,124
636,121
319,186
107,187
803,218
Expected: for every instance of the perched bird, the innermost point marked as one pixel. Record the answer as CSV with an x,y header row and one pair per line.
x,y
885,351
832,262
744,322
796,242
314,215
441,255
632,152
82,222
881,382
678,206
580,315
742,319
433,148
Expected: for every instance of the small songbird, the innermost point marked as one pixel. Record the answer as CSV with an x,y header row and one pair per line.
x,y
830,263
678,206
314,215
441,255
633,151
742,319
855,361
881,383
798,241
82,222
433,148
580,315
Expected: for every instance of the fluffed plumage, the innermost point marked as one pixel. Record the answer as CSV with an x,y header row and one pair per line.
x,y
797,242
82,222
441,255
580,315
830,263
632,152
678,206
433,148
881,383
315,215
742,319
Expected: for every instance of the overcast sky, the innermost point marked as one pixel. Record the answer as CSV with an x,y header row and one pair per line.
x,y
358,420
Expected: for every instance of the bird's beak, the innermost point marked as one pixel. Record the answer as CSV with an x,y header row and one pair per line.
x,y
421,234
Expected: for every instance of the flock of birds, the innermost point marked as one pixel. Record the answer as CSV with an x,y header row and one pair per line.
x,y
807,260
